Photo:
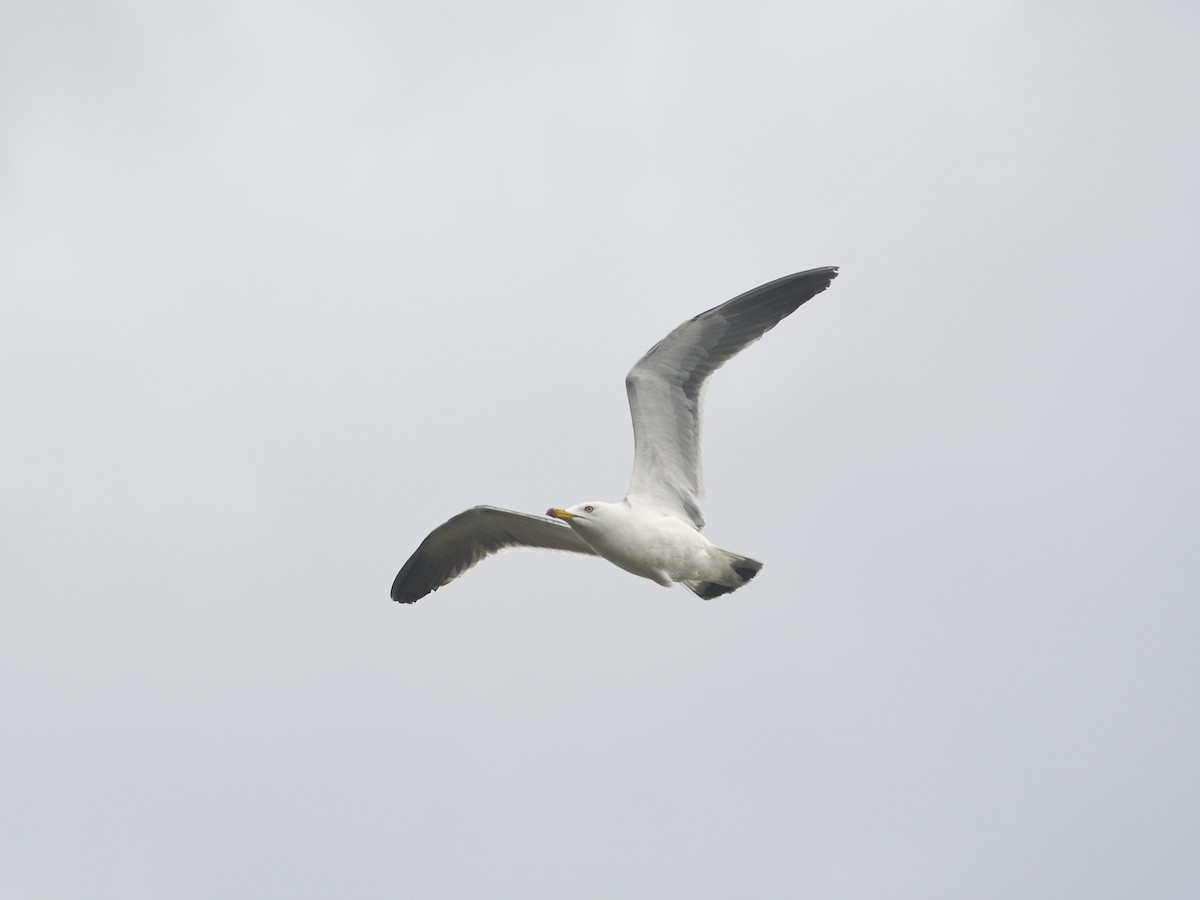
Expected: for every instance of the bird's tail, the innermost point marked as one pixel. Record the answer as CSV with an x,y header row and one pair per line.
x,y
741,570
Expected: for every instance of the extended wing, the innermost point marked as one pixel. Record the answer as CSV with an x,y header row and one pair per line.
x,y
456,545
665,387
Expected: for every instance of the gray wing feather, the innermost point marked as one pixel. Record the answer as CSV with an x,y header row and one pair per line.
x,y
456,545
666,385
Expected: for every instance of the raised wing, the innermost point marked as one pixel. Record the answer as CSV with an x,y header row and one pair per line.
x,y
456,545
665,387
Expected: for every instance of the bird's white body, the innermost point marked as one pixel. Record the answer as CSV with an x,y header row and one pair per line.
x,y
647,542
653,543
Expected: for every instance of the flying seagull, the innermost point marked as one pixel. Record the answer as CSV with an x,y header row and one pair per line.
x,y
655,531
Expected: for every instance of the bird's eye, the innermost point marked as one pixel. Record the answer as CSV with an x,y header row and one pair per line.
x,y
589,509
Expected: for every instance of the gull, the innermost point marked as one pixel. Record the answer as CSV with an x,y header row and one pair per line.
x,y
655,531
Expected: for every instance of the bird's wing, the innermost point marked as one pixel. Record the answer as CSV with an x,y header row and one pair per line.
x,y
665,387
456,545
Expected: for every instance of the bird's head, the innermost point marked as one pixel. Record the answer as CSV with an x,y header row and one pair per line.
x,y
582,514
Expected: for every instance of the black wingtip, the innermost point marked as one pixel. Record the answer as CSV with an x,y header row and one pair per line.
x,y
830,272
399,594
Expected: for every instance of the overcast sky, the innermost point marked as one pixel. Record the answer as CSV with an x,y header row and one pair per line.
x,y
286,285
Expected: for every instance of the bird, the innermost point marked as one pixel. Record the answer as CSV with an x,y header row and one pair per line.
x,y
655,532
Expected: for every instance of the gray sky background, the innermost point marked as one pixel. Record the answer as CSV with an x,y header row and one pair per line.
x,y
286,285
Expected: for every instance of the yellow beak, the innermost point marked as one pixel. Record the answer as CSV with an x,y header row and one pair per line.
x,y
557,513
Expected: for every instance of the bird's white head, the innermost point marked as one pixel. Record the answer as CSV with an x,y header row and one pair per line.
x,y
594,512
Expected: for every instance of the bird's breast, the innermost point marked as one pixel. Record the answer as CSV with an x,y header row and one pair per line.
x,y
657,547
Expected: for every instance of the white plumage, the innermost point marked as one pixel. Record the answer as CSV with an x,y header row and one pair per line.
x,y
655,531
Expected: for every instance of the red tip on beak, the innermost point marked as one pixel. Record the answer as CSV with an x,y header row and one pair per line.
x,y
551,513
